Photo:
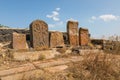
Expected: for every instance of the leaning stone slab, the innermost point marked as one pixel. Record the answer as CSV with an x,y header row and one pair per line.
x,y
19,41
72,30
39,36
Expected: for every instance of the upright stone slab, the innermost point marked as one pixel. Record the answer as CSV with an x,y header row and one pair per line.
x,y
39,35
83,36
19,41
72,30
56,39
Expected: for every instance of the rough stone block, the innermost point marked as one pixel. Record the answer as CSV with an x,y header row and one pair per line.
x,y
34,55
56,39
19,41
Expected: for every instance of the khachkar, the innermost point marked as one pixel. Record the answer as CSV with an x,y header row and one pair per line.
x,y
39,36
56,39
83,37
72,30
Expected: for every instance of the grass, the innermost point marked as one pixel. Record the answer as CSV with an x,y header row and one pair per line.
x,y
96,67
93,67
116,48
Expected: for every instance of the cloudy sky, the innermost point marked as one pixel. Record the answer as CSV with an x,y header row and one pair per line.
x,y
101,17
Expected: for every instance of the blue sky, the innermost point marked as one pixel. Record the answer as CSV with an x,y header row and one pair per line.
x,y
101,17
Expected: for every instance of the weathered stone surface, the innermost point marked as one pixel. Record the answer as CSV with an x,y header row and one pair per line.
x,y
34,55
56,68
56,39
83,36
65,37
39,35
6,34
22,68
38,65
19,41
72,30
24,75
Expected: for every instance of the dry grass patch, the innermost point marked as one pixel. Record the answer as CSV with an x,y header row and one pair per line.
x,y
96,67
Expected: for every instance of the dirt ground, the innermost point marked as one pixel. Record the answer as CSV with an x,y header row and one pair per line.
x,y
93,66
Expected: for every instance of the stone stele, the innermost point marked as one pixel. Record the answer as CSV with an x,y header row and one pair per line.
x,y
56,39
39,36
19,41
72,30
83,36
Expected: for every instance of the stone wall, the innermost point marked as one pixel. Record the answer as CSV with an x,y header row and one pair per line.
x,y
107,45
6,34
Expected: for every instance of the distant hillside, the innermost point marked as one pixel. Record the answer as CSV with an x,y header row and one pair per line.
x,y
3,26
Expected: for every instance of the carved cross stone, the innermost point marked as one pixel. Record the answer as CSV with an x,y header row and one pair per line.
x,y
72,30
39,36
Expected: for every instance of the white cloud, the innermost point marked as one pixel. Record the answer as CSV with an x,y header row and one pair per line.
x,y
49,16
55,15
56,19
56,24
105,18
57,9
93,18
108,17
51,25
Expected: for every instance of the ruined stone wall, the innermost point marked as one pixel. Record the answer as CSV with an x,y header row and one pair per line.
x,y
6,34
107,45
111,45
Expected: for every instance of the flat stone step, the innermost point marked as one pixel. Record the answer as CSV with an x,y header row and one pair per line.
x,y
22,68
23,76
48,64
56,68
